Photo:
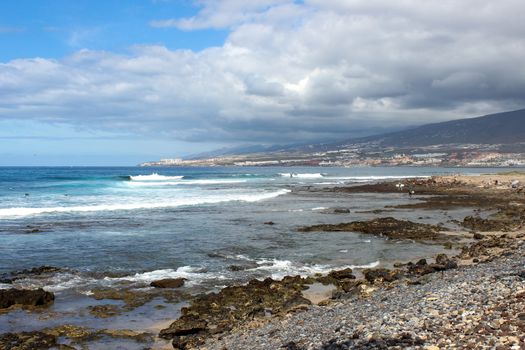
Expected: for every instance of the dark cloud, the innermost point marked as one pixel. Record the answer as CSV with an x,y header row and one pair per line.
x,y
289,71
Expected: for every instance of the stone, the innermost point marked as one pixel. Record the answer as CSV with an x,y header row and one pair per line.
x,y
184,326
342,274
168,283
477,236
26,297
27,341
381,275
388,226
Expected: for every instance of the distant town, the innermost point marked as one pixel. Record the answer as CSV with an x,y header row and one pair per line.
x,y
370,154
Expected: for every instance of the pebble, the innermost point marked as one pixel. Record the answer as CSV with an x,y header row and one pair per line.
x,y
462,308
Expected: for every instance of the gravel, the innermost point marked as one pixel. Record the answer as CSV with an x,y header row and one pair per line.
x,y
473,307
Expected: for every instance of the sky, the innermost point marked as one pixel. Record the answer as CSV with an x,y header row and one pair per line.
x,y
107,82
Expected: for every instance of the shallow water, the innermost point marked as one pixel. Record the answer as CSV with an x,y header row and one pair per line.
x,y
125,227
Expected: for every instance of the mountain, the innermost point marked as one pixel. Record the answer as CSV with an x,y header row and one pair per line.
x,y
499,128
244,149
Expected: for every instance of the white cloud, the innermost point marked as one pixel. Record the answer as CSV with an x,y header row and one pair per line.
x,y
289,71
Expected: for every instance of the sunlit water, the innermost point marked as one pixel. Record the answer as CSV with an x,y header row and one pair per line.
x,y
115,226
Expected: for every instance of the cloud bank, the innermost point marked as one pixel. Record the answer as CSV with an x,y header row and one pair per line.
x,y
288,71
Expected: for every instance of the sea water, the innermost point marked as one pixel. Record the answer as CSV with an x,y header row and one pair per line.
x,y
214,226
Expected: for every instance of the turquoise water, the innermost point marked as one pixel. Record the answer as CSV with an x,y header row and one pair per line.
x,y
133,225
121,228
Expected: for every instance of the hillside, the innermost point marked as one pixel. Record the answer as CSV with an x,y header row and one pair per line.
x,y
500,128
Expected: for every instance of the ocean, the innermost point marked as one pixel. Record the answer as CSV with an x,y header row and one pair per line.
x,y
116,227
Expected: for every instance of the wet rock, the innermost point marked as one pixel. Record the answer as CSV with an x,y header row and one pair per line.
x,y
27,341
134,298
492,246
335,211
342,274
485,225
216,312
25,297
351,286
168,283
478,236
184,326
389,227
244,266
443,262
80,334
28,273
381,275
269,223
104,311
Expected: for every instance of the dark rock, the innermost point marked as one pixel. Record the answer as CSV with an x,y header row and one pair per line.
x,y
269,223
477,236
381,275
351,286
215,313
443,262
168,283
37,297
27,341
28,273
484,225
246,266
341,211
291,346
342,274
421,262
186,342
235,268
442,259
389,227
184,326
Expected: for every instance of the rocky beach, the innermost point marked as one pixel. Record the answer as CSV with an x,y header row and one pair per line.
x,y
470,295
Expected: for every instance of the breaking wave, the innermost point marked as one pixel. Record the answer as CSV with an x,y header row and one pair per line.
x,y
154,177
21,211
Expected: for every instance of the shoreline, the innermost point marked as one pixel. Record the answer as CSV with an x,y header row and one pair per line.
x,y
484,192
457,190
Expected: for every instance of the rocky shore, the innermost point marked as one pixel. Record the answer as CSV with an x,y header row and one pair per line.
x,y
454,302
471,299
480,306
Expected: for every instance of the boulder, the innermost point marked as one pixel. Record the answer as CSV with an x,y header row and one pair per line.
x,y
168,283
342,274
184,326
13,296
381,275
27,341
28,273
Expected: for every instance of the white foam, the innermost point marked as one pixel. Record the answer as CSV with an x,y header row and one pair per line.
x,y
5,286
303,176
319,208
193,274
24,211
184,182
366,266
282,268
378,177
154,177
56,283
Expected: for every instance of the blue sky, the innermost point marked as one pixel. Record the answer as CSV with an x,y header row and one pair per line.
x,y
57,28
121,82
